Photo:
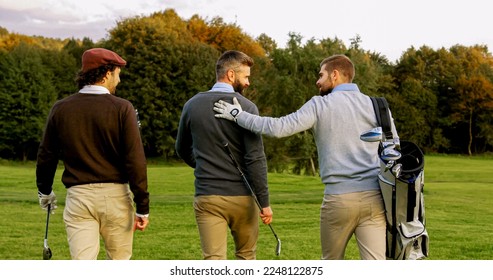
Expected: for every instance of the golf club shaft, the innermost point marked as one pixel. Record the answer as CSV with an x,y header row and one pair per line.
x,y
46,249
230,153
47,221
242,175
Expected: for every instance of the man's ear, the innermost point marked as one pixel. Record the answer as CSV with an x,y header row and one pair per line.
x,y
231,75
107,76
335,74
337,77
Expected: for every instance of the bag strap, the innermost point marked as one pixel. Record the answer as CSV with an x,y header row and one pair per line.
x,y
382,112
381,108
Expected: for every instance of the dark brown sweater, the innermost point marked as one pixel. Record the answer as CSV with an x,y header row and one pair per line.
x,y
98,139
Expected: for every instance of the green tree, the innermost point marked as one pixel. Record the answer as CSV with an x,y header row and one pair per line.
x,y
64,68
267,43
166,66
419,78
26,95
284,84
76,48
373,71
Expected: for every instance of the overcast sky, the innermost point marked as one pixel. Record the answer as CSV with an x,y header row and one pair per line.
x,y
388,27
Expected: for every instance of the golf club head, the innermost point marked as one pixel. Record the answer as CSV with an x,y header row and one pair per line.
x,y
372,135
390,154
397,170
388,145
278,247
46,251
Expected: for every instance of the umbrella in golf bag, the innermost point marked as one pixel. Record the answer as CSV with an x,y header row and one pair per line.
x,y
46,249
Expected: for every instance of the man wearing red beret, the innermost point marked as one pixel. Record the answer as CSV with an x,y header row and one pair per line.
x,y
97,136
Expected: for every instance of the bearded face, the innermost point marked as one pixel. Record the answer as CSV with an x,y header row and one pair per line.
x,y
113,80
324,83
241,79
238,86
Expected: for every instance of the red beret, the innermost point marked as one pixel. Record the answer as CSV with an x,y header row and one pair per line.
x,y
94,58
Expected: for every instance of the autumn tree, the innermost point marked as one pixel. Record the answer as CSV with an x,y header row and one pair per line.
x,y
474,97
437,90
223,36
166,66
472,100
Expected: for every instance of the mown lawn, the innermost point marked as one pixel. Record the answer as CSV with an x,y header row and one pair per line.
x,y
458,197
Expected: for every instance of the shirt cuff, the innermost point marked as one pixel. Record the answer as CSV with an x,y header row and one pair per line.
x,y
142,215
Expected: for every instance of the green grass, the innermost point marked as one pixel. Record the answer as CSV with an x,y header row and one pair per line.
x,y
458,199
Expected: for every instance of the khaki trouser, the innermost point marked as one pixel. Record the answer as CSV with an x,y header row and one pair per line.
x,y
214,214
104,209
361,213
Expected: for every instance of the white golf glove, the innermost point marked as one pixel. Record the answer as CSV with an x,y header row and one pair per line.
x,y
227,110
45,200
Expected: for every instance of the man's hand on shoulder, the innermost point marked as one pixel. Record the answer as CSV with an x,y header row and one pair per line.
x,y
227,110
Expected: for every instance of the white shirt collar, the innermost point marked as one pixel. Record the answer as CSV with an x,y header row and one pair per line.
x,y
93,89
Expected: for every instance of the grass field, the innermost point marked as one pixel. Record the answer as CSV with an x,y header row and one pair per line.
x,y
458,197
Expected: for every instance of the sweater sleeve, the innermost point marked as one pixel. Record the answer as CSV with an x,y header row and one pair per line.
x,y
301,120
135,160
183,144
47,158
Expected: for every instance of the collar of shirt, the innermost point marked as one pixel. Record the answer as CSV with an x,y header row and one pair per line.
x,y
346,87
92,89
222,87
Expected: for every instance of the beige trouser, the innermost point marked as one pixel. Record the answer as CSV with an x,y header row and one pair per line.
x,y
214,214
104,209
361,213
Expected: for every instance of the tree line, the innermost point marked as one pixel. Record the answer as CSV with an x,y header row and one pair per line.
x,y
441,99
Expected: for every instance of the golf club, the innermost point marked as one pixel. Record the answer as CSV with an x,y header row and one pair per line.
x,y
46,249
372,135
390,154
397,169
389,151
228,151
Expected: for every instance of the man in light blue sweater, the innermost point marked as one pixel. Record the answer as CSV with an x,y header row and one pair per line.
x,y
349,167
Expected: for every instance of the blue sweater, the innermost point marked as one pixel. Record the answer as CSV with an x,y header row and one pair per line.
x,y
347,164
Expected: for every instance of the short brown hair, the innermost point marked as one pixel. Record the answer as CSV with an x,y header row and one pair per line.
x,y
231,60
340,63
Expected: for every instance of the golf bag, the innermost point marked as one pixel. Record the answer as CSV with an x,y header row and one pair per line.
x,y
402,182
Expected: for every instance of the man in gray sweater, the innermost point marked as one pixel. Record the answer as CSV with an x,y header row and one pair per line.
x,y
349,167
222,199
